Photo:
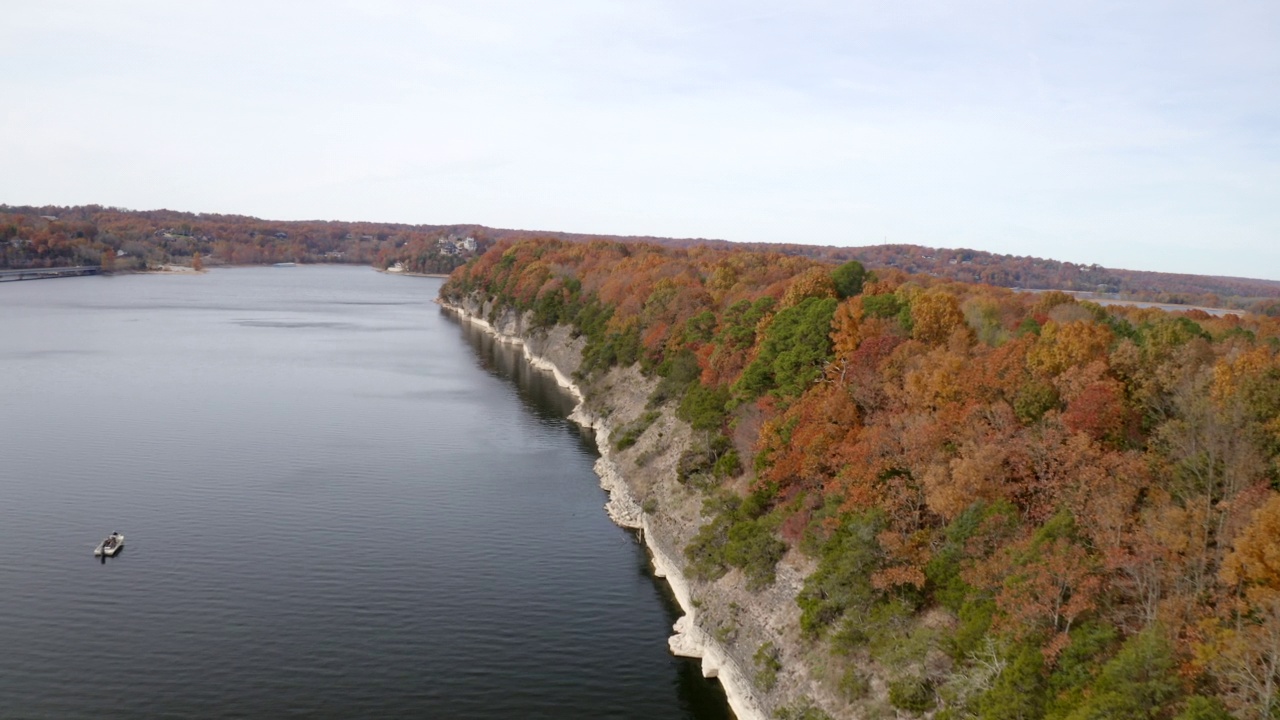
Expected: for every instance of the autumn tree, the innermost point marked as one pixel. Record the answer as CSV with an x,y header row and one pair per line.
x,y
1246,648
935,315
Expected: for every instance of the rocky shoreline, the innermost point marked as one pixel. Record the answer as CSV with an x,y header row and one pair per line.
x,y
690,639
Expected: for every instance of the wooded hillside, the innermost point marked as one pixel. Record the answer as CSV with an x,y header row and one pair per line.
x,y
133,240
138,240
1017,505
1018,271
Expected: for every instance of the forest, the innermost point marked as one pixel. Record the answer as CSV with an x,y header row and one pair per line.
x,y
1017,505
129,240
1017,271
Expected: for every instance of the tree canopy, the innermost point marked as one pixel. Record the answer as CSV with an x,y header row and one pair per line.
x,y
1087,494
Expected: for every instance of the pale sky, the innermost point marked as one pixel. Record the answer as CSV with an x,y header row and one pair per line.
x,y
1141,135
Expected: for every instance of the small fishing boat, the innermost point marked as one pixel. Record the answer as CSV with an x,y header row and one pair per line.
x,y
110,546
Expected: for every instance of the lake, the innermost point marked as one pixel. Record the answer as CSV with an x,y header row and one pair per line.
x,y
337,502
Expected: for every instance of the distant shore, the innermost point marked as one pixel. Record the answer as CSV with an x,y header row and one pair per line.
x,y
1112,299
389,271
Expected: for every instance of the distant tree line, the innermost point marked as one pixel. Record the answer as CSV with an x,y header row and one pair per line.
x,y
56,236
1025,272
121,240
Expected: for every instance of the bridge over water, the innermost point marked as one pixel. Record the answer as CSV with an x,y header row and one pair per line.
x,y
42,273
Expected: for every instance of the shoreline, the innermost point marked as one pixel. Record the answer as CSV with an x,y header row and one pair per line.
x,y
389,271
688,640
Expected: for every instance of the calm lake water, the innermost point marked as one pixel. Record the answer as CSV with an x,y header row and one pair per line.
x,y
337,502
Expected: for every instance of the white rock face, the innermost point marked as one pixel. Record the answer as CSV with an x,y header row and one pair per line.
x,y
689,639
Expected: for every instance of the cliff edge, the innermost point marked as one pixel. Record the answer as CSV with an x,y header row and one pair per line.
x,y
725,625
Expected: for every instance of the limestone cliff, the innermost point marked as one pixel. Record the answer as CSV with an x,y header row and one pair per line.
x,y
724,624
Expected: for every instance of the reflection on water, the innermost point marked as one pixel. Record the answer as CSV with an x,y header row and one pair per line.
x,y
538,389
542,395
